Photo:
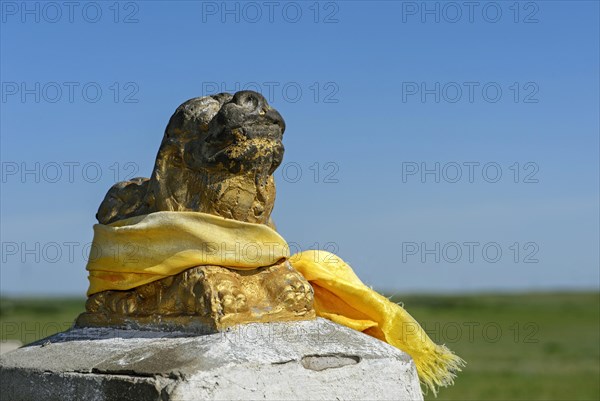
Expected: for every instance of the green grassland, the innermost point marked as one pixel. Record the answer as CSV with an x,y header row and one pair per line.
x,y
525,346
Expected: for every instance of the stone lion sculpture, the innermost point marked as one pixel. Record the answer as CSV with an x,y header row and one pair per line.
x,y
217,156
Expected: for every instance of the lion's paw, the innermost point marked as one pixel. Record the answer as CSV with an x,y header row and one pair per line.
x,y
296,293
230,297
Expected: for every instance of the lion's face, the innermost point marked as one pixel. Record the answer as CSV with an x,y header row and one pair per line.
x,y
238,133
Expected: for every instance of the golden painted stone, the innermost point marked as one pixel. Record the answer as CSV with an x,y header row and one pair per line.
x,y
217,156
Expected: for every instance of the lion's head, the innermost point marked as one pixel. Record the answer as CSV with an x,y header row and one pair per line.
x,y
224,132
217,156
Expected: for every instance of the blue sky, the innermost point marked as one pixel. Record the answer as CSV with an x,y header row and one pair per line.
x,y
373,93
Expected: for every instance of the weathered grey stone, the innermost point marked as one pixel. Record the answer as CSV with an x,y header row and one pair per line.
x,y
301,360
9,345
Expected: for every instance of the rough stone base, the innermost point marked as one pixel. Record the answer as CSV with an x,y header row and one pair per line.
x,y
309,360
9,345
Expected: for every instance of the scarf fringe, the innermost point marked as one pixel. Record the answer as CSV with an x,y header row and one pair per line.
x,y
438,368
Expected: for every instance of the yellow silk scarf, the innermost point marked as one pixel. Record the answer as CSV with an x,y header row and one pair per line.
x,y
139,250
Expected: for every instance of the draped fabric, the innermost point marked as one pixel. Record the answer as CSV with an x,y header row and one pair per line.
x,y
139,250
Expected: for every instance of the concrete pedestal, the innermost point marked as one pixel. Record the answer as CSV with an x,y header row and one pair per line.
x,y
309,360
